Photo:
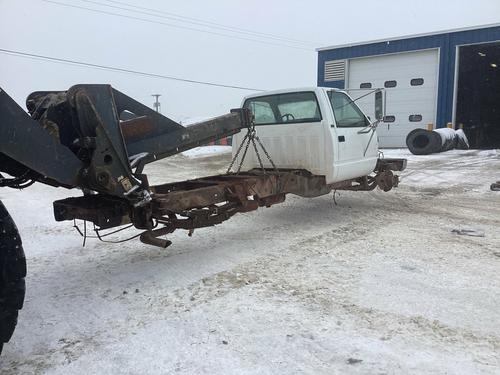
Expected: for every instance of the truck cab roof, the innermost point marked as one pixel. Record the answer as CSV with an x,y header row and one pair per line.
x,y
289,90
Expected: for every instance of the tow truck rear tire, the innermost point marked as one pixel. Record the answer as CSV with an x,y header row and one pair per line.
x,y
12,274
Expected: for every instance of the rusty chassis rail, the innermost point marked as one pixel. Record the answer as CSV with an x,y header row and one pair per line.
x,y
209,201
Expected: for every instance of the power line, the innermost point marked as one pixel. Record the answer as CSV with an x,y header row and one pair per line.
x,y
122,70
214,23
198,21
176,26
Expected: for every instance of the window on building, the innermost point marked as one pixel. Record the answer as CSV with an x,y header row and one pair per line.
x,y
389,118
417,82
365,85
415,118
347,113
389,84
293,107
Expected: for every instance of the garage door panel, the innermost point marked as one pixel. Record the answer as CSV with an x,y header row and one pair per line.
x,y
404,99
396,130
405,109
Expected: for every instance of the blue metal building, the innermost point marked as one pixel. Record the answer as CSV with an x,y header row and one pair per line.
x,y
444,77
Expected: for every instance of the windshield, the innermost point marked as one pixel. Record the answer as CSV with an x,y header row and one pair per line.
x,y
295,107
347,113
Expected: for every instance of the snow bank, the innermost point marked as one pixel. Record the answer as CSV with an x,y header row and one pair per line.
x,y
447,134
204,151
194,120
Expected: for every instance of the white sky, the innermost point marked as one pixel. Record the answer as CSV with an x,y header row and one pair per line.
x,y
44,28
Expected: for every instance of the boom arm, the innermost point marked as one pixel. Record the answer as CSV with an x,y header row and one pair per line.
x,y
76,138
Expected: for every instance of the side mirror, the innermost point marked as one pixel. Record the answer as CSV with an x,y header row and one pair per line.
x,y
379,105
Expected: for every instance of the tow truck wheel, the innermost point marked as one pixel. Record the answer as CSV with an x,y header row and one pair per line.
x,y
12,273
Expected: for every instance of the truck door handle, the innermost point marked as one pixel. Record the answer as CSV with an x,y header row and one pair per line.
x,y
341,138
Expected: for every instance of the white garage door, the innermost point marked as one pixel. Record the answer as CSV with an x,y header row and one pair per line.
x,y
410,81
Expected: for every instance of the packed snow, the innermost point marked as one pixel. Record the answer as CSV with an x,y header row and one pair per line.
x,y
376,284
205,151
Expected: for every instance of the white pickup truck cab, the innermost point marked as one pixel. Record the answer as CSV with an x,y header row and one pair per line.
x,y
317,129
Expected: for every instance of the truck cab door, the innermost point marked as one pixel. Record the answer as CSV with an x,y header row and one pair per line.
x,y
356,150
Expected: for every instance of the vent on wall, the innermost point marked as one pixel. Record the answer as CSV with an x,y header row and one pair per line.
x,y
335,70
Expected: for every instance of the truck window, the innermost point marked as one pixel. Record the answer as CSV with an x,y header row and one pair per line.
x,y
347,114
296,107
262,112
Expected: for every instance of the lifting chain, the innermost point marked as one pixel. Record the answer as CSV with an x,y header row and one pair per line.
x,y
251,137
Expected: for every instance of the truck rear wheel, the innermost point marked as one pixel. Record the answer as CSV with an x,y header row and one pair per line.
x,y
12,273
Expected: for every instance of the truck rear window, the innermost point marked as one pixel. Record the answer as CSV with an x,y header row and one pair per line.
x,y
295,107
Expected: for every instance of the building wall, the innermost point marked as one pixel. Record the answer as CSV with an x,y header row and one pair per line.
x,y
446,42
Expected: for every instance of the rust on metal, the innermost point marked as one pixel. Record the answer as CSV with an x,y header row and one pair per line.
x,y
209,201
137,128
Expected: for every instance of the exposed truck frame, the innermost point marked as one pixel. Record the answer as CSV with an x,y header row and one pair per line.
x,y
97,139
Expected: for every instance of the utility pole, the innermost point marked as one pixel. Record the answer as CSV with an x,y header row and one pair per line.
x,y
157,104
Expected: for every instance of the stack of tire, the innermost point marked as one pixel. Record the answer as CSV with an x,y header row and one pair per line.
x,y
12,273
424,142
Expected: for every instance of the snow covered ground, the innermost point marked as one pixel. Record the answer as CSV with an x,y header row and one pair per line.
x,y
377,284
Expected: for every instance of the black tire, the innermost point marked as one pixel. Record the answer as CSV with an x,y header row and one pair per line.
x,y
423,142
12,274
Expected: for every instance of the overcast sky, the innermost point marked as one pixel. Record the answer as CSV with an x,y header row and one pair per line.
x,y
167,46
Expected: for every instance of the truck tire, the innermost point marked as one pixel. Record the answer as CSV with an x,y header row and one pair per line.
x,y
12,274
423,142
